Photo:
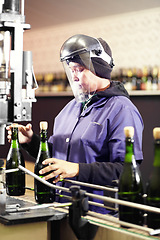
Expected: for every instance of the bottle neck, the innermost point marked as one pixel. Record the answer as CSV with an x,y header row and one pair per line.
x,y
129,156
156,162
43,142
14,142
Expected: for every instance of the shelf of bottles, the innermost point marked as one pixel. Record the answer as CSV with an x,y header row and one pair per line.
x,y
51,84
137,81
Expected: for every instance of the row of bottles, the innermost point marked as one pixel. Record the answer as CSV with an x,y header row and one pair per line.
x,y
131,187
15,181
52,82
146,78
130,182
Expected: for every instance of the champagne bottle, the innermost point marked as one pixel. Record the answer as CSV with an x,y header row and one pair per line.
x,y
15,181
2,189
43,193
153,185
2,180
130,183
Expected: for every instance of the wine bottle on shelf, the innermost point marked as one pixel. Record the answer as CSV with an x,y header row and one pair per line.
x,y
134,79
15,181
43,193
155,78
139,79
144,78
153,185
130,183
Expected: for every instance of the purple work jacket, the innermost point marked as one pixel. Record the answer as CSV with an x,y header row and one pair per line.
x,y
95,139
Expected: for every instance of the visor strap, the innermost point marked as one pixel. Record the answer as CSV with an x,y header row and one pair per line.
x,y
103,56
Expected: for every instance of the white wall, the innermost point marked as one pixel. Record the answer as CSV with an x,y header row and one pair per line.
x,y
134,38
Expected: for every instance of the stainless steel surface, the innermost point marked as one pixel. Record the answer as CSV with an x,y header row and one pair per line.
x,y
16,95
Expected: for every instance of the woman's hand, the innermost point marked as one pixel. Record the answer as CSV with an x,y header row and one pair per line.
x,y
60,169
25,133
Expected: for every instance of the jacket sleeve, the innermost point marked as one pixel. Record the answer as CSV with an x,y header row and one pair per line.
x,y
100,172
33,147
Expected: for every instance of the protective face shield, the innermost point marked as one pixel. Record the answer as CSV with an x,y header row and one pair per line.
x,y
77,70
76,55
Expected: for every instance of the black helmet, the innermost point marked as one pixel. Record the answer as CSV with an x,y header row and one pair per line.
x,y
100,53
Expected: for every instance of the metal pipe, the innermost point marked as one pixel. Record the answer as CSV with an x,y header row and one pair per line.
x,y
107,199
41,206
11,170
90,202
2,133
92,185
125,203
42,180
22,7
101,205
116,220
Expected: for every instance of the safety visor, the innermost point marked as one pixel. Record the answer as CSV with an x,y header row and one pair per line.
x,y
76,68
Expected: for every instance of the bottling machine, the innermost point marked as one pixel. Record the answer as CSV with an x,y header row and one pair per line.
x,y
17,80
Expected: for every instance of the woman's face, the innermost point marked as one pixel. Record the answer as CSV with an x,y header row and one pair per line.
x,y
83,77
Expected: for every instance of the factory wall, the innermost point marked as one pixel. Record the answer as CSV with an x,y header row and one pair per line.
x,y
134,38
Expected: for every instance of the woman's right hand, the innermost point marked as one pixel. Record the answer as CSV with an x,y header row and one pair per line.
x,y
25,133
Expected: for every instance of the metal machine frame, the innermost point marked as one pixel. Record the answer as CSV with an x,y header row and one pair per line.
x,y
17,80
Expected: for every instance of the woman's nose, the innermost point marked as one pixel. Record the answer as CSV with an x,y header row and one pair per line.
x,y
75,76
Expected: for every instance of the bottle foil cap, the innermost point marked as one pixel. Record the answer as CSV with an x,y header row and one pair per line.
x,y
129,131
156,133
43,125
15,125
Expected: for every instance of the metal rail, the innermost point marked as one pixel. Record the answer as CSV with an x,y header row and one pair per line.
x,y
122,223
107,199
92,185
42,180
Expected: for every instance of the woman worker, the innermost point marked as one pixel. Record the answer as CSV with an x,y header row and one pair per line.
x,y
88,141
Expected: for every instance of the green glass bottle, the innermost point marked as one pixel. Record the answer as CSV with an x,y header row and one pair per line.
x,y
130,183
153,185
43,193
2,174
15,181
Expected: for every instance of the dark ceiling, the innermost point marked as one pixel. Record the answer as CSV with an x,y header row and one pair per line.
x,y
44,13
